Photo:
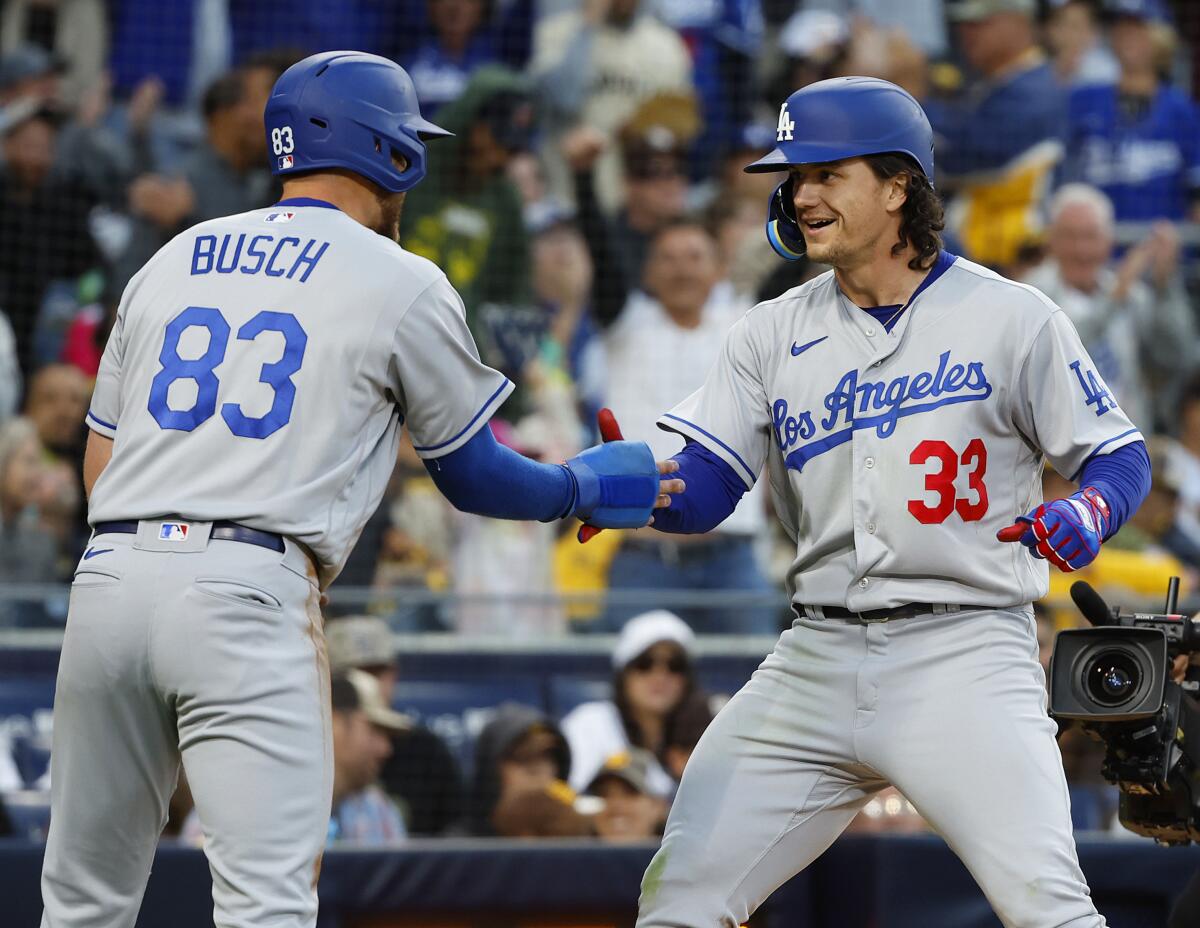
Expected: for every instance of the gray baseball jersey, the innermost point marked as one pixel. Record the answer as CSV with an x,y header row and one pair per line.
x,y
261,366
258,371
894,457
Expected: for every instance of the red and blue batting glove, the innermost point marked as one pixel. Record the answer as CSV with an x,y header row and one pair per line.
x,y
1066,532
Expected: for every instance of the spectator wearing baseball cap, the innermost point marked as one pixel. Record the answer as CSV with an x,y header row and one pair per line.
x,y
653,677
467,215
631,811
420,774
363,728
998,178
45,238
1137,138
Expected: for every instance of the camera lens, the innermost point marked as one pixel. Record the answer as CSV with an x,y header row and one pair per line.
x,y
1112,677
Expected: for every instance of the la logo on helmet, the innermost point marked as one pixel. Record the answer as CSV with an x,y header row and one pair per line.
x,y
783,132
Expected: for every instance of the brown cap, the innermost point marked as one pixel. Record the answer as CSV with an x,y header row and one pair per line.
x,y
359,641
357,690
632,767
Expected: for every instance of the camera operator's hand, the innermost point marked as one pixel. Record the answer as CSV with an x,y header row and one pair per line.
x,y
1179,666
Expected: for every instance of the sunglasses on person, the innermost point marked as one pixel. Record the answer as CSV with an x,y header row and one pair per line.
x,y
644,663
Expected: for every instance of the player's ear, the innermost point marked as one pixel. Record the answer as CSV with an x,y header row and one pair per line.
x,y
896,191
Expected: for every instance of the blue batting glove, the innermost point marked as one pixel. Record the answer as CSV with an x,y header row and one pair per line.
x,y
1066,532
616,484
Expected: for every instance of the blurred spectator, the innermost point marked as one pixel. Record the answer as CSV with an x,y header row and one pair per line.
x,y
922,20
1155,524
519,753
653,680
563,276
416,544
691,720
654,151
44,234
998,177
594,67
548,812
466,216
631,810
420,775
1186,457
29,72
657,354
814,45
725,39
452,38
76,31
1076,41
226,174
363,726
1133,316
56,403
1137,139
87,334
28,551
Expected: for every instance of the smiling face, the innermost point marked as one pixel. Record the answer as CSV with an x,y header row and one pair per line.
x,y
845,211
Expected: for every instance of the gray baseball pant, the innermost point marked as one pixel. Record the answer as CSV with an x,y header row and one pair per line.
x,y
207,652
950,708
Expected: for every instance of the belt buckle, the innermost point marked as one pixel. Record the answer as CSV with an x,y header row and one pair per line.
x,y
881,615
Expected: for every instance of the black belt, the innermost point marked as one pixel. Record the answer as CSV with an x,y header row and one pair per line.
x,y
907,611
221,531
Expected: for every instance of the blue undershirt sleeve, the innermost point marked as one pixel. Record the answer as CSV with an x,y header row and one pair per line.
x,y
713,491
1123,479
488,479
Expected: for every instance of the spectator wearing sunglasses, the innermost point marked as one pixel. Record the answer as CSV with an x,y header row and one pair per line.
x,y
653,678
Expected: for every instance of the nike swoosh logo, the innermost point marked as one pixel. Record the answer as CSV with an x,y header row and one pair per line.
x,y
92,552
800,349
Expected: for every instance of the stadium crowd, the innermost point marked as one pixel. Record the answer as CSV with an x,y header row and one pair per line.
x,y
592,212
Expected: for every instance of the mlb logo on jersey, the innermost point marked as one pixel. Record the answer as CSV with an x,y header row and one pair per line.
x,y
173,531
279,217
285,162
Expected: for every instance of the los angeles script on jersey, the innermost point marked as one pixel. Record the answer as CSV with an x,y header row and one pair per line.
x,y
868,404
284,256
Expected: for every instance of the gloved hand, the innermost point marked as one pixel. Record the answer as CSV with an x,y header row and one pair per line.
x,y
1066,532
616,485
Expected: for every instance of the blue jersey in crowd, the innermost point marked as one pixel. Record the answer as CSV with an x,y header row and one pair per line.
x,y
1148,162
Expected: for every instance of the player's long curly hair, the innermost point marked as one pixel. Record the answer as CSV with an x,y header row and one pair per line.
x,y
921,219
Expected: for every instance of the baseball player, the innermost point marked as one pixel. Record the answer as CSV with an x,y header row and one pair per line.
x,y
902,405
245,421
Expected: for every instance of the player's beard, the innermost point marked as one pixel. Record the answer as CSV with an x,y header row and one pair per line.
x,y
390,208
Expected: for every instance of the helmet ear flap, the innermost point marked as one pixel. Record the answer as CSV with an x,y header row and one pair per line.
x,y
783,231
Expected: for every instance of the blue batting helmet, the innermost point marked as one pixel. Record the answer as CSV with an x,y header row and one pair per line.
x,y
844,117
348,110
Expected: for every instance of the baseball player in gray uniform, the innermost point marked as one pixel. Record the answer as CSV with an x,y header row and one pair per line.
x,y
245,422
902,405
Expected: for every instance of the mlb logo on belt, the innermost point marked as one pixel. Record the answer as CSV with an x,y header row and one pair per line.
x,y
285,162
280,217
173,531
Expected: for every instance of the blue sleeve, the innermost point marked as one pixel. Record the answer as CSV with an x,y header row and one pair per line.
x,y
488,479
713,491
1123,479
